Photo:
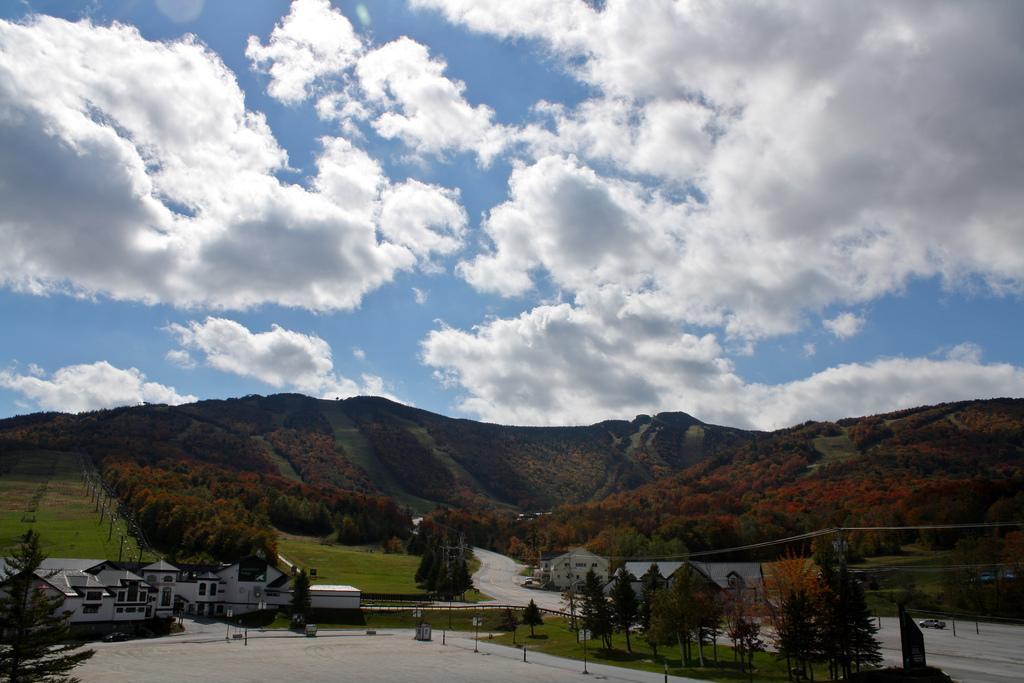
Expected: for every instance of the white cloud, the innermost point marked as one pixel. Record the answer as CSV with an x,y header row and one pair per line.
x,y
845,325
810,349
414,102
313,42
802,156
423,218
967,352
167,183
419,295
569,365
585,230
358,353
77,388
279,357
181,358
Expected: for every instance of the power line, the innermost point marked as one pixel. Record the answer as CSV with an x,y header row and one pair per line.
x,y
815,534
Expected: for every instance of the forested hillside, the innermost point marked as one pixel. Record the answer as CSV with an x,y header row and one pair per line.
x,y
376,446
946,464
215,477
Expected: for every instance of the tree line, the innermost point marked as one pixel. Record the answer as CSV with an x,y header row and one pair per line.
x,y
816,610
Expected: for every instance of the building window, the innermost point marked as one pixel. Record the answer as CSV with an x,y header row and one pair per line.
x,y
120,610
202,588
151,578
165,598
90,609
220,609
129,609
94,595
168,579
213,589
120,596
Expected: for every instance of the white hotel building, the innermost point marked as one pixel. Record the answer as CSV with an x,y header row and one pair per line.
x,y
103,595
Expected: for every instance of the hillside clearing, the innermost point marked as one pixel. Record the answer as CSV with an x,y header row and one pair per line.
x,y
64,516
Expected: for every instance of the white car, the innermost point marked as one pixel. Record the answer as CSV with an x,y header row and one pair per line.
x,y
931,623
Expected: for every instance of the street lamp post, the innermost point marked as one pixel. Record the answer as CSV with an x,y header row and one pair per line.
x,y
476,633
584,635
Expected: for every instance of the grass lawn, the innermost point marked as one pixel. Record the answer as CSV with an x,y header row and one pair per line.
x,y
65,519
369,569
555,638
927,585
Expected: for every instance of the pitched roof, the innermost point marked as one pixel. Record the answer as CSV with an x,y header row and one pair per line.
x,y
113,577
719,572
279,581
160,566
665,568
70,581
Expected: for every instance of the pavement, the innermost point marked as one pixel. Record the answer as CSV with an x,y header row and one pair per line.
x,y
988,653
499,577
982,653
390,656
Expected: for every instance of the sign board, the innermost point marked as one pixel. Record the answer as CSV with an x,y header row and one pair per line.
x,y
310,630
478,621
912,641
423,632
583,634
230,612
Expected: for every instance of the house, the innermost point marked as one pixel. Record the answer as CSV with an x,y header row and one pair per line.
x,y
724,576
563,570
102,595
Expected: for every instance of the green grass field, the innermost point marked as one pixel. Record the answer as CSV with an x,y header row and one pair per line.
x,y
65,518
555,638
368,569
926,586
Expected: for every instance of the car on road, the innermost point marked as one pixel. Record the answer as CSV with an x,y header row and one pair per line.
x,y
931,623
116,637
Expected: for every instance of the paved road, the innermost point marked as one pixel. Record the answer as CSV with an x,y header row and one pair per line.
x,y
389,656
499,577
995,654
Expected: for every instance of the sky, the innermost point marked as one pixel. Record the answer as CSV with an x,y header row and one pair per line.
x,y
533,212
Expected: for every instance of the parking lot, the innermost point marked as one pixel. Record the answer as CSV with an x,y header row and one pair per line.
x,y
387,657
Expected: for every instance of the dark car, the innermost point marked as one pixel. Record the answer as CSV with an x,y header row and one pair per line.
x,y
116,637
932,623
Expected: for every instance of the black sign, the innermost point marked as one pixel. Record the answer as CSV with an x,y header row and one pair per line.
x,y
913,642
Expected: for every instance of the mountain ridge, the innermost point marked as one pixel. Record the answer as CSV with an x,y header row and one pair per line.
x,y
420,458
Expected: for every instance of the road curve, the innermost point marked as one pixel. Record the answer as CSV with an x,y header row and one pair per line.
x,y
499,578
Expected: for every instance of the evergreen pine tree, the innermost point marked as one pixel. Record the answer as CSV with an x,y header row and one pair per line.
x,y
462,581
865,648
35,643
426,569
595,611
624,605
532,616
651,584
301,600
